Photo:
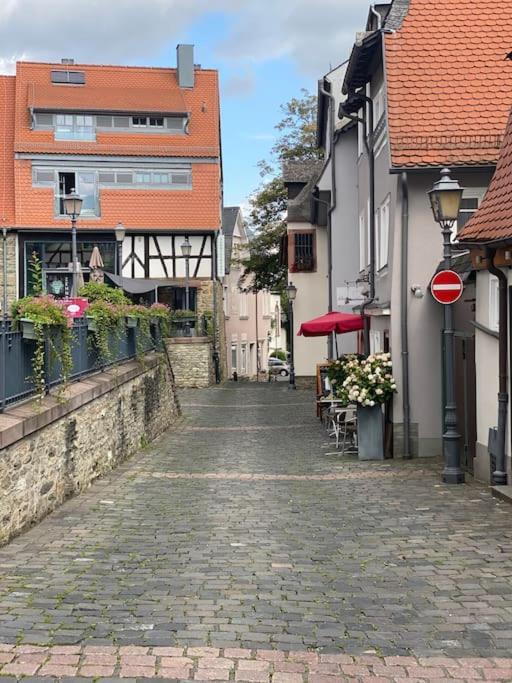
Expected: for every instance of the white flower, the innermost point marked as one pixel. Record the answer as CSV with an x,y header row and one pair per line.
x,y
372,403
379,392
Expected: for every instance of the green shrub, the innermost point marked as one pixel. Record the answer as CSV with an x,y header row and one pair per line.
x,y
98,291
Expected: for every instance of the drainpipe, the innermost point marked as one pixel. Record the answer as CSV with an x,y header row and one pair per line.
x,y
500,474
404,314
332,160
376,14
369,146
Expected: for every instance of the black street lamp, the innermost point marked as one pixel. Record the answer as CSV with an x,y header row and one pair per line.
x,y
291,290
445,199
186,250
72,208
120,233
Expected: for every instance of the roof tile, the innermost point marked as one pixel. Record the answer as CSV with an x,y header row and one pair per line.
x,y
449,85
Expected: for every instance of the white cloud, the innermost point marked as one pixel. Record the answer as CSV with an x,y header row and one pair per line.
x,y
240,85
311,35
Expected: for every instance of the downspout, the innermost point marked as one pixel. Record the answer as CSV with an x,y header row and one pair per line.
x,y
404,314
332,160
376,14
215,319
500,473
369,146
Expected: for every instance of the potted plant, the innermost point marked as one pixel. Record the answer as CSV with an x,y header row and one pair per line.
x,y
43,320
368,383
161,316
184,322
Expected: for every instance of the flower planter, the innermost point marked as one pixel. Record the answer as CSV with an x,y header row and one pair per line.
x,y
27,328
132,321
370,432
92,324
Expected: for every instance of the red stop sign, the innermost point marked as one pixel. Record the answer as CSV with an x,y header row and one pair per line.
x,y
446,287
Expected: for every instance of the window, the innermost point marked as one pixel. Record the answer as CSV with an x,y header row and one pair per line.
x,y
266,303
243,359
494,303
43,176
85,183
378,106
234,358
121,121
360,133
74,77
362,241
164,179
303,252
139,121
243,305
382,230
226,301
468,206
143,178
176,123
74,127
42,120
156,121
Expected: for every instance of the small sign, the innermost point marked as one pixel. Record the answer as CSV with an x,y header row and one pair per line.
x,y
446,287
75,307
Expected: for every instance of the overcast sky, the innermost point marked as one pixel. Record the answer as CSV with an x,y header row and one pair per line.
x,y
265,50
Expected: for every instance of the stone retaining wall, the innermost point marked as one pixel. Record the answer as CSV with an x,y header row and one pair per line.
x,y
192,361
53,451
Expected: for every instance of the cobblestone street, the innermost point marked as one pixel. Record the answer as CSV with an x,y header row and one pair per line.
x,y
240,547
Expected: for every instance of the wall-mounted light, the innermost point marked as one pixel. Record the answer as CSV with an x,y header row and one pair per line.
x,y
417,291
478,260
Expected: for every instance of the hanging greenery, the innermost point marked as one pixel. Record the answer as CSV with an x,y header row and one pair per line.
x,y
52,334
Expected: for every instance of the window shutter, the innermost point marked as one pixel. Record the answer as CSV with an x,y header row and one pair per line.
x,y
104,121
221,255
121,122
43,119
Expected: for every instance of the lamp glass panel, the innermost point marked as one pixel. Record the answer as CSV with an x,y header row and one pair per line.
x,y
449,201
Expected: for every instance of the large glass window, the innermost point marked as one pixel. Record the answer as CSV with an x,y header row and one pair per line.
x,y
175,297
55,259
74,127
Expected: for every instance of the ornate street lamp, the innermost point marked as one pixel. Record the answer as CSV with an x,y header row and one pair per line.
x,y
186,250
120,233
72,208
445,199
291,291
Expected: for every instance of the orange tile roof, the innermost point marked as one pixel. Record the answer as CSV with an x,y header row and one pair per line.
x,y
449,87
493,220
120,88
92,98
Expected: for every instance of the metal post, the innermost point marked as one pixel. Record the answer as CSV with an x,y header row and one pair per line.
x,y
291,383
74,289
452,473
187,294
3,348
120,259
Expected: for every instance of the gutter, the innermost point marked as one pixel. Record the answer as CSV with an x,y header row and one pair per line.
x,y
404,315
500,473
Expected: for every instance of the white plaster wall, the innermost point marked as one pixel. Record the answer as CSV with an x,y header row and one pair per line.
x,y
311,301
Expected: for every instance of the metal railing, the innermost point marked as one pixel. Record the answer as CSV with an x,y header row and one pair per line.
x,y
16,357
192,326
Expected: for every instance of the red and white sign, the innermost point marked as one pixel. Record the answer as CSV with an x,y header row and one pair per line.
x,y
75,308
446,287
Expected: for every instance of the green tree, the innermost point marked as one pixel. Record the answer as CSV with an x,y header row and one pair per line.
x,y
261,264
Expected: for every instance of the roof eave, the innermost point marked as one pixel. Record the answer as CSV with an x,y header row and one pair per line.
x,y
487,166
361,57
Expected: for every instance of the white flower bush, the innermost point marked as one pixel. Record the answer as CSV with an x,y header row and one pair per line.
x,y
364,381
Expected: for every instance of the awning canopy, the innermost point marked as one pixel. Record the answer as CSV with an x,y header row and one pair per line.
x,y
340,323
137,285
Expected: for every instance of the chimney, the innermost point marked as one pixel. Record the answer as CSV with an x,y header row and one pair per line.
x,y
185,62
67,61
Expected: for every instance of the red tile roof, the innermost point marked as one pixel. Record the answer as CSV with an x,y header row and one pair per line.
x,y
493,220
449,86
92,98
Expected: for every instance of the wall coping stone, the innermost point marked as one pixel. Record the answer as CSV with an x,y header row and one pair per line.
x,y
22,420
189,340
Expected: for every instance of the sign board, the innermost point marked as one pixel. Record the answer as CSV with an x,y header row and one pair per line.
x,y
446,287
74,307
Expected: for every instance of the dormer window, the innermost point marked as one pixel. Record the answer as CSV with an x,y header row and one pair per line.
x,y
68,77
139,121
83,126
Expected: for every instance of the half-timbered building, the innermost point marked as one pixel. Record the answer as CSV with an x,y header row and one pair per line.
x,y
141,146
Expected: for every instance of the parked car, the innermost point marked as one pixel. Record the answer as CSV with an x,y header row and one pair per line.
x,y
278,367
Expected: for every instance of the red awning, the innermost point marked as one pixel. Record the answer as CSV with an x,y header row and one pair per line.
x,y
332,322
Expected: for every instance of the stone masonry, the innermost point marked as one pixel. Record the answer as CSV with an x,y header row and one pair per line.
x,y
192,361
118,412
11,270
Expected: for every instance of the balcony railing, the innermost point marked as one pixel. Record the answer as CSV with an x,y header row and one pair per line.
x,y
86,133
16,357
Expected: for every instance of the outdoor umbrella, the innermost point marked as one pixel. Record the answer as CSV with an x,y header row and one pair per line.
x,y
339,323
96,266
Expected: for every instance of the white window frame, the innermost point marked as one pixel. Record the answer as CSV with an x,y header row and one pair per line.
x,y
244,309
362,241
382,233
470,193
243,358
360,133
379,106
494,303
368,235
234,368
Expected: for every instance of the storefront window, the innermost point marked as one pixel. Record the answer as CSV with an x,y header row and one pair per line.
x,y
55,259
